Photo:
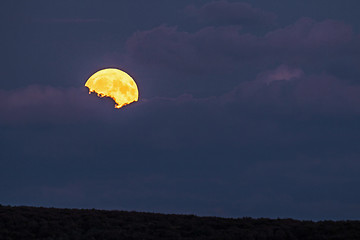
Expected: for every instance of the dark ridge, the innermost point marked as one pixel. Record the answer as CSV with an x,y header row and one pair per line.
x,y
53,223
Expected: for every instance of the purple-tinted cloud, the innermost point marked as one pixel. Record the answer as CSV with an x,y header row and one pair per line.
x,y
281,73
36,104
281,89
201,51
169,55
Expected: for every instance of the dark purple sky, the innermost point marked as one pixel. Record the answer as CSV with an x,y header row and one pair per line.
x,y
247,108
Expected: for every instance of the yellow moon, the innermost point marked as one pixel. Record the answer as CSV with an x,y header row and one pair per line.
x,y
114,83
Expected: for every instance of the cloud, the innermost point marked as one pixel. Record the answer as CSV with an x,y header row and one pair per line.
x,y
281,73
231,13
309,34
188,62
70,20
280,90
285,91
76,150
218,47
46,104
194,52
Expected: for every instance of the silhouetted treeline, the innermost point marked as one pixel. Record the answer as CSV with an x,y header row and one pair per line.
x,y
52,223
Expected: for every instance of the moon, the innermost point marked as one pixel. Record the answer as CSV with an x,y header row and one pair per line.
x,y
114,83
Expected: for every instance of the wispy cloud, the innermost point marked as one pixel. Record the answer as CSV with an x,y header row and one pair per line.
x,y
71,20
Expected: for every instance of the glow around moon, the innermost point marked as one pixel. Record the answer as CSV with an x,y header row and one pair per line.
x,y
115,84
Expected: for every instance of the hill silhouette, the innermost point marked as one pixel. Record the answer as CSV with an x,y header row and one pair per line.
x,y
53,223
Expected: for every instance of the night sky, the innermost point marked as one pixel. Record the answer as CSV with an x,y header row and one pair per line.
x,y
247,108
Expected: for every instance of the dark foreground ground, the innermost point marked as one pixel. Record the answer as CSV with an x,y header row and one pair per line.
x,y
51,223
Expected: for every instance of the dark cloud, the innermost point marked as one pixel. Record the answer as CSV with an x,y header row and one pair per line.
x,y
262,145
311,34
314,93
